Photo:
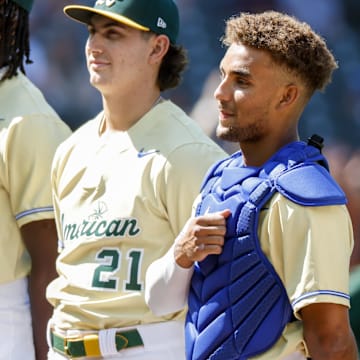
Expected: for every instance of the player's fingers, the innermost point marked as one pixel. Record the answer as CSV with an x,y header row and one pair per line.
x,y
210,248
216,218
211,240
203,250
218,230
201,233
209,245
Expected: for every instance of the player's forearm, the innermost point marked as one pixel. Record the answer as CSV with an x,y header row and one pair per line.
x,y
41,242
164,276
41,312
340,347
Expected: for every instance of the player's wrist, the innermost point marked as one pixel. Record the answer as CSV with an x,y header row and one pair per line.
x,y
181,259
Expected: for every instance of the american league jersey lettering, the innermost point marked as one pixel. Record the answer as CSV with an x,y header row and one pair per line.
x,y
108,260
99,228
119,206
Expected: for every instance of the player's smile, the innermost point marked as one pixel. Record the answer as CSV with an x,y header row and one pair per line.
x,y
225,116
96,64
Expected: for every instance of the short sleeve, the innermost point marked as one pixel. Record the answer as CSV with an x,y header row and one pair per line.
x,y
310,248
31,144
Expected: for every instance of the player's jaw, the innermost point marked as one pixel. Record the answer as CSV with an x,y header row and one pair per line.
x,y
99,69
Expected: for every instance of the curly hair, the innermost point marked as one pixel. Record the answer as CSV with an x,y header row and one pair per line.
x,y
172,66
14,38
174,63
290,43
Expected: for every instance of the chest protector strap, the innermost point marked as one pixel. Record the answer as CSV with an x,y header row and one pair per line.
x,y
238,306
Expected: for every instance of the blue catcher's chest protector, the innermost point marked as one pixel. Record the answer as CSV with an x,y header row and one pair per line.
x,y
238,306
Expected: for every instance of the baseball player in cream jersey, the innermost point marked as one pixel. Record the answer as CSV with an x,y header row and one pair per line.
x,y
30,131
123,185
303,232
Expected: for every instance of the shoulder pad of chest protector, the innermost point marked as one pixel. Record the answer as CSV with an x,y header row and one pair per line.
x,y
310,185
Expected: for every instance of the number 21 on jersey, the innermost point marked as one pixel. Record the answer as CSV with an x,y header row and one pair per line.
x,y
110,261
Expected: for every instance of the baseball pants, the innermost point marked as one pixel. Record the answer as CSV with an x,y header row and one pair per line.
x,y
16,339
162,341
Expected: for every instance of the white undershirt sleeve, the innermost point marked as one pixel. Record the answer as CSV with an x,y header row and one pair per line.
x,y
167,285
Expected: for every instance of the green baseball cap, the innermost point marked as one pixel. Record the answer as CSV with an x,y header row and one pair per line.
x,y
159,16
26,4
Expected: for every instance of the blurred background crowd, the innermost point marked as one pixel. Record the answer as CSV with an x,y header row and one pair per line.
x,y
57,49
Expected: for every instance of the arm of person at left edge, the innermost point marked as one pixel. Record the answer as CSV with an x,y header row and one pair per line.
x,y
40,239
327,332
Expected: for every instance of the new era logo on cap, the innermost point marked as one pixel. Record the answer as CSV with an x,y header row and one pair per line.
x,y
161,23
108,3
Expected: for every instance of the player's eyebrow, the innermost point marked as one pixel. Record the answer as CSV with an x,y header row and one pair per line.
x,y
243,71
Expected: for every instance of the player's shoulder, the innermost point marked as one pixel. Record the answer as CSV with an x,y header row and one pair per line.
x,y
180,133
185,128
28,97
82,135
85,131
310,185
31,112
43,130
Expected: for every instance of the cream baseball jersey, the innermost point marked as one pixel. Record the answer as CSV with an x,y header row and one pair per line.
x,y
310,249
120,200
30,132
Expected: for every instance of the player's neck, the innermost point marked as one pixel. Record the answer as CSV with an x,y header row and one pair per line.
x,y
121,116
257,153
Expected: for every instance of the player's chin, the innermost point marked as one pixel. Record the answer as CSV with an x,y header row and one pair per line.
x,y
227,133
96,81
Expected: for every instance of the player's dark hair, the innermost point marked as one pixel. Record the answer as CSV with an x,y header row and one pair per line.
x,y
14,38
172,66
290,43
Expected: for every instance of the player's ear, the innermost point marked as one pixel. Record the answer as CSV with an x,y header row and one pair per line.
x,y
289,95
160,46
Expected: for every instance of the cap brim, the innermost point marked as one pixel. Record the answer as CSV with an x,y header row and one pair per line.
x,y
83,14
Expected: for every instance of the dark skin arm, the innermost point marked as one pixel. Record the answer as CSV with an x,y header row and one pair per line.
x,y
40,239
327,332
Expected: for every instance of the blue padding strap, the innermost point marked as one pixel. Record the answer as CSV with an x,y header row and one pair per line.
x,y
310,185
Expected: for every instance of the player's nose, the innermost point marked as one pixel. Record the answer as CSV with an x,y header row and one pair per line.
x,y
94,44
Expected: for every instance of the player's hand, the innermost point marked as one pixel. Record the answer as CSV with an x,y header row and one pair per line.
x,y
200,237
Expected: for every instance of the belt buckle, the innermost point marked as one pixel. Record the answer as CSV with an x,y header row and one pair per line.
x,y
91,345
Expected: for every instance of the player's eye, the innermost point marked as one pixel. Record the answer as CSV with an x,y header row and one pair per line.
x,y
241,80
112,34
